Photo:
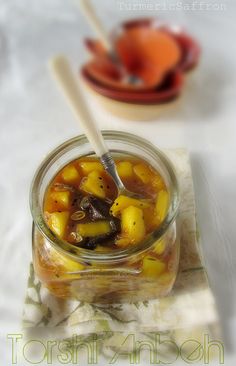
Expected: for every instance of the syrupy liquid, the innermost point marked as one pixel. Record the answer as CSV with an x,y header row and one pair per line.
x,y
146,275
137,175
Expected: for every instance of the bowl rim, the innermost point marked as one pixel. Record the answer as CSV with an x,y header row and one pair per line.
x,y
145,98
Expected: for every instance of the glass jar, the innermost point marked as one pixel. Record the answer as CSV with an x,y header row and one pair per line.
x,y
137,273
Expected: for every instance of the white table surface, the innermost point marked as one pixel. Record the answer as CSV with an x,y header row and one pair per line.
x,y
33,120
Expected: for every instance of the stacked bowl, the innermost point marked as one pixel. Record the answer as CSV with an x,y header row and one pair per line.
x,y
145,71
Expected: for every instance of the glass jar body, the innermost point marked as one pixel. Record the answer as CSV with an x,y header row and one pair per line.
x,y
143,276
142,273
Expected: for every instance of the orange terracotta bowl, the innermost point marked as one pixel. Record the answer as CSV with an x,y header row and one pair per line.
x,y
170,83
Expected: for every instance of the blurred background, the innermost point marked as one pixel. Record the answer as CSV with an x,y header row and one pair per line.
x,y
34,120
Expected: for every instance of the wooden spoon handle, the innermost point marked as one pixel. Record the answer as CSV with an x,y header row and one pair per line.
x,y
67,81
95,23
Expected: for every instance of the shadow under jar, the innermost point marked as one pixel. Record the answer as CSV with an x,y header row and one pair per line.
x,y
138,272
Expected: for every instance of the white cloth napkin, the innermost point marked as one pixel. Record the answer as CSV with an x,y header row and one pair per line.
x,y
188,311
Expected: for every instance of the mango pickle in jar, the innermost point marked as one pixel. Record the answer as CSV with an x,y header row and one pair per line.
x,y
94,245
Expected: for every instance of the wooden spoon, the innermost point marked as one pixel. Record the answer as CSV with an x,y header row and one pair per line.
x,y
67,81
94,21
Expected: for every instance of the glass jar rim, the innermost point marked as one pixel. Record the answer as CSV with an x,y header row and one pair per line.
x,y
116,255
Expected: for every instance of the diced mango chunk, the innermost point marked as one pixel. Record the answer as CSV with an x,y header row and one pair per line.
x,y
94,184
101,249
67,263
158,182
57,222
160,247
153,267
123,202
90,166
125,169
162,204
132,224
61,198
150,218
123,242
70,174
143,173
94,228
166,279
